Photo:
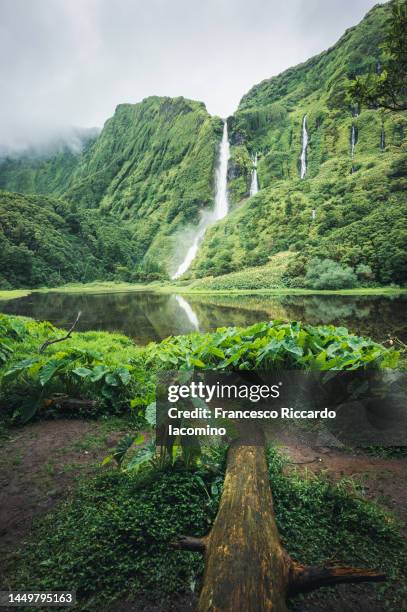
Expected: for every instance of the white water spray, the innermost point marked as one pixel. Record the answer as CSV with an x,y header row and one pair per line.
x,y
254,186
303,157
221,204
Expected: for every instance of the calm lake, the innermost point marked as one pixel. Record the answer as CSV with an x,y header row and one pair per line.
x,y
153,316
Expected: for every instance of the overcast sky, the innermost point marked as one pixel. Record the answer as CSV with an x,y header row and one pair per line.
x,y
70,62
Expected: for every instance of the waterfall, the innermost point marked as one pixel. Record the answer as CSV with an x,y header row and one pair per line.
x,y
303,157
221,204
353,140
221,197
382,139
192,318
254,186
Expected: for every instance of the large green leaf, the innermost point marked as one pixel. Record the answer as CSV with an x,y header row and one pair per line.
x,y
25,364
124,375
82,372
48,370
151,414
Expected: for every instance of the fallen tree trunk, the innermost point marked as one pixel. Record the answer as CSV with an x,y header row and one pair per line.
x,y
246,566
64,402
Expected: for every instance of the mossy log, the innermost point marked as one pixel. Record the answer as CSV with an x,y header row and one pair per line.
x,y
246,566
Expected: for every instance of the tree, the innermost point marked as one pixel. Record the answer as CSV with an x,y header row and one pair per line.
x,y
388,89
246,565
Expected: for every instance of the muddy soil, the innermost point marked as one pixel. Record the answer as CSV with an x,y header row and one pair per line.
x,y
39,465
383,480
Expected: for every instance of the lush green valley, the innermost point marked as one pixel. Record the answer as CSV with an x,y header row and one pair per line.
x,y
203,341
129,202
43,241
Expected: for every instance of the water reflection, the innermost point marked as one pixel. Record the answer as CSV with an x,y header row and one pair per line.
x,y
192,318
153,316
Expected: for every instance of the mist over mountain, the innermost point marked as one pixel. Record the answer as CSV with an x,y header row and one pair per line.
x,y
70,63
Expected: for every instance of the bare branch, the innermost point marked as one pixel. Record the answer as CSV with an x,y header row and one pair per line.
x,y
68,335
189,543
303,578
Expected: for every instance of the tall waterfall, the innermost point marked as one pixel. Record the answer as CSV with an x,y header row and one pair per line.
x,y
254,186
221,204
303,157
221,197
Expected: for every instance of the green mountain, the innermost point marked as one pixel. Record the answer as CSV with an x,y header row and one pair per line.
x,y
45,169
150,170
153,167
150,173
351,209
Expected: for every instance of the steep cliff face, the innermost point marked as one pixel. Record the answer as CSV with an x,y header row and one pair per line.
x,y
152,167
351,203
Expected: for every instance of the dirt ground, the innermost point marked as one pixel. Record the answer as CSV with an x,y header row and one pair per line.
x,y
384,480
40,463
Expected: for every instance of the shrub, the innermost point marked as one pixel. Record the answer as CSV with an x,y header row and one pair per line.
x,y
328,274
364,272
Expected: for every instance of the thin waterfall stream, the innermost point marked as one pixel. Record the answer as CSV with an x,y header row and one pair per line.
x,y
303,157
353,139
221,204
254,186
382,139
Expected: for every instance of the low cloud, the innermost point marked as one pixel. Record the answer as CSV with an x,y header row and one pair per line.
x,y
70,62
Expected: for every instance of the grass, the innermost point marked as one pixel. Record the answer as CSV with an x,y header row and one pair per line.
x,y
191,289
95,287
358,291
12,294
100,435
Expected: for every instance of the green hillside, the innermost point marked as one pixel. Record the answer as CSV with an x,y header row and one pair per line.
x,y
45,170
151,169
153,166
42,242
359,203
